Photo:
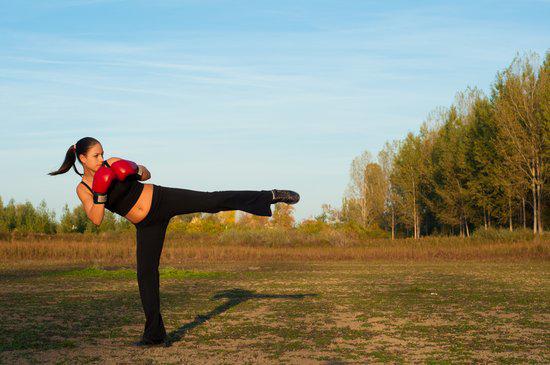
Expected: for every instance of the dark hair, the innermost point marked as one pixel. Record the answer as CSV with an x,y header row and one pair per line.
x,y
82,147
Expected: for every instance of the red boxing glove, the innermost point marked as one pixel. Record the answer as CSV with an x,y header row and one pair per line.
x,y
103,179
125,168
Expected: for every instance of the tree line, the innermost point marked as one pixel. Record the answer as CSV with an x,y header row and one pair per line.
x,y
476,164
25,218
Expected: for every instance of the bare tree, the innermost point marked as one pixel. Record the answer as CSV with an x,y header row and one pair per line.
x,y
354,200
366,190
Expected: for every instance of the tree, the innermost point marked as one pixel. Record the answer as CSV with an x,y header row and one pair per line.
x,y
66,223
252,221
521,96
45,219
354,205
408,174
283,215
366,191
386,159
450,174
483,159
3,221
329,215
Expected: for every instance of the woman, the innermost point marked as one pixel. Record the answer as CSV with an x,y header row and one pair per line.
x,y
115,184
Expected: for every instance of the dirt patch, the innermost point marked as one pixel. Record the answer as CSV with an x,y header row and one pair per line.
x,y
344,317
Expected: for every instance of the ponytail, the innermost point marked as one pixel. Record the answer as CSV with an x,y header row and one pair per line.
x,y
79,148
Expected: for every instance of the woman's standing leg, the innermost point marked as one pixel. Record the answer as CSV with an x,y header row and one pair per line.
x,y
178,201
150,239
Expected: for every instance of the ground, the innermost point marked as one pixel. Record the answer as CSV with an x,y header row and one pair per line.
x,y
283,312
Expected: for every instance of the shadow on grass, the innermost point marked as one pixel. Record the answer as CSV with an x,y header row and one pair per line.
x,y
234,297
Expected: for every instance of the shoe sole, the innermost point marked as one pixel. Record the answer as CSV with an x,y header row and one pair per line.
x,y
144,344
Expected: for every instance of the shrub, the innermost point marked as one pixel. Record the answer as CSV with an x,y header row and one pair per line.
x,y
502,234
311,226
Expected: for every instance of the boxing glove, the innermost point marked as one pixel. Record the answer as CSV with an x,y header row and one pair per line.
x,y
125,168
103,179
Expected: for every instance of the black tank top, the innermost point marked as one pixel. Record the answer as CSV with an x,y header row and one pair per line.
x,y
122,195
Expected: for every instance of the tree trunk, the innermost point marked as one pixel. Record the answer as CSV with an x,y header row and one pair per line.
x,y
510,211
523,211
484,218
539,206
364,209
415,231
392,223
415,226
539,180
535,208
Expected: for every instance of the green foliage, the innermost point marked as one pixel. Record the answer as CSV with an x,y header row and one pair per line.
x,y
500,235
312,226
450,173
480,163
362,232
483,159
25,218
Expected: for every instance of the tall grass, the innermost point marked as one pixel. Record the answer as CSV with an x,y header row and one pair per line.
x,y
266,245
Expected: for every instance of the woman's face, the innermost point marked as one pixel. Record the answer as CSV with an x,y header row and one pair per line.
x,y
93,158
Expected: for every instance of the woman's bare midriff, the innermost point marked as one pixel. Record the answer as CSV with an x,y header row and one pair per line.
x,y
141,208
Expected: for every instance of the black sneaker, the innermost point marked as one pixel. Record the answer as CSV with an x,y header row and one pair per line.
x,y
285,196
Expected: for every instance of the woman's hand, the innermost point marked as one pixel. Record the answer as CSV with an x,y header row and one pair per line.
x,y
145,175
125,168
103,179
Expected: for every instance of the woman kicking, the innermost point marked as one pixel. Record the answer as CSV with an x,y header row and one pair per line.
x,y
114,184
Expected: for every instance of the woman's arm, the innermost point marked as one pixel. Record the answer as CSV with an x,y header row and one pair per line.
x,y
95,212
145,175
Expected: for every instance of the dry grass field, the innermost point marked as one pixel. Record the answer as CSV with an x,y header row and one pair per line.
x,y
264,245
225,302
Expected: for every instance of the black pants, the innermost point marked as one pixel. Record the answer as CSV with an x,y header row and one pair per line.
x,y
167,203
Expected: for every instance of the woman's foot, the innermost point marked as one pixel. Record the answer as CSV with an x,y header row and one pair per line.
x,y
148,343
285,196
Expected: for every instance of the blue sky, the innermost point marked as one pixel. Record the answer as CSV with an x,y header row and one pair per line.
x,y
238,95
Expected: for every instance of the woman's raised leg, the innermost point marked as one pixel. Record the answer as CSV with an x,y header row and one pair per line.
x,y
183,201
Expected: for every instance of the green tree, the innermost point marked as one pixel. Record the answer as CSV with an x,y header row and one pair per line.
x,y
45,219
408,176
386,159
3,220
483,159
450,174
521,96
